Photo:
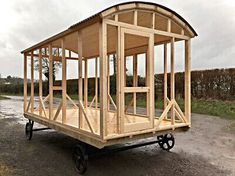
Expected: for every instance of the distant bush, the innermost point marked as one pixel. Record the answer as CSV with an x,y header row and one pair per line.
x,y
207,84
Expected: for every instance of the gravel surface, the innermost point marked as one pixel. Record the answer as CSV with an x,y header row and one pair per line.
x,y
208,148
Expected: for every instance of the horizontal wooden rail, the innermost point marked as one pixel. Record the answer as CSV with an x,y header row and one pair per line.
x,y
57,88
136,89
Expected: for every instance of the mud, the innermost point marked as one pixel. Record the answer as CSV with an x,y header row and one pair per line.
x,y
208,148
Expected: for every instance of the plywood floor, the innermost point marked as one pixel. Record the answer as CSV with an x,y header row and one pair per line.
x,y
93,116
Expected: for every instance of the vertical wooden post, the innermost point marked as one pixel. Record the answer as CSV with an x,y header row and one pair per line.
x,y
135,18
80,87
50,82
187,89
85,83
40,81
103,77
151,79
169,25
147,80
64,82
108,81
25,82
96,83
135,79
32,83
122,68
172,79
153,20
118,79
58,51
165,77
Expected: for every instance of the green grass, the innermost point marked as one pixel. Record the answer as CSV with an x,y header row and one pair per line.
x,y
3,98
223,109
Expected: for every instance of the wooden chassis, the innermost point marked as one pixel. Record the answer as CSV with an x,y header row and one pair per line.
x,y
100,137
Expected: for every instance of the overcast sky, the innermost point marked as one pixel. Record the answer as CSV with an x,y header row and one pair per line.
x,y
26,22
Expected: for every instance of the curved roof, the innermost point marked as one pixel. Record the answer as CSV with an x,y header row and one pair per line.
x,y
130,2
98,16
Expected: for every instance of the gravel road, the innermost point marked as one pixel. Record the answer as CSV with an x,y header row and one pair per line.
x,y
207,149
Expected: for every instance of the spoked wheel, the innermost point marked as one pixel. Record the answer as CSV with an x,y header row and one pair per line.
x,y
80,159
29,130
166,141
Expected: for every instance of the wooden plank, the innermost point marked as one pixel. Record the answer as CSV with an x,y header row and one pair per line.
x,y
93,99
58,112
50,82
172,79
40,79
81,135
87,119
118,79
135,18
144,29
165,77
153,20
74,104
32,82
146,6
111,99
151,80
43,106
169,25
178,110
46,98
127,6
85,83
96,82
187,83
164,12
164,113
135,79
116,17
28,106
125,70
136,89
64,82
108,81
58,87
80,86
109,11
103,78
25,82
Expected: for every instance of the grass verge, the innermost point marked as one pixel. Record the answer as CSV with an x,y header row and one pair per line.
x,y
3,97
223,109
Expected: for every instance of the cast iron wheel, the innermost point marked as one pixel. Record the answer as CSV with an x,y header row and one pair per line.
x,y
29,130
160,139
167,141
80,159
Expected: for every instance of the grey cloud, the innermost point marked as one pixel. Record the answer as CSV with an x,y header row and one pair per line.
x,y
37,20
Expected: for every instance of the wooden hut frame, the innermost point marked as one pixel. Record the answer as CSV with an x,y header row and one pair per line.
x,y
123,30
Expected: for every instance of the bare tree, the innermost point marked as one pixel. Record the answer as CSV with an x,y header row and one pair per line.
x,y
45,66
